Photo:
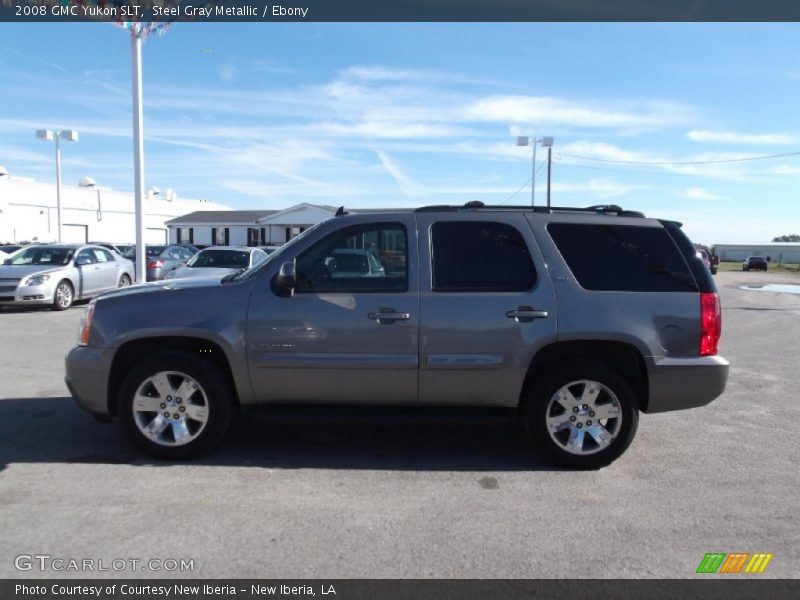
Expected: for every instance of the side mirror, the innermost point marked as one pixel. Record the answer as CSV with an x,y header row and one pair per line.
x,y
82,260
285,281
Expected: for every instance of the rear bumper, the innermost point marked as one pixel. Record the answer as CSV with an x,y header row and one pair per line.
x,y
680,383
87,378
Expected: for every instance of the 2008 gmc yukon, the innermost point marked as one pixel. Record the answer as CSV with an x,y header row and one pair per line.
x,y
575,318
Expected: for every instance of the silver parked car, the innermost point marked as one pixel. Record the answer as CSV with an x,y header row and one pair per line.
x,y
161,260
219,261
59,274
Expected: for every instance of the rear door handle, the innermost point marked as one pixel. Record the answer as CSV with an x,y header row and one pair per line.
x,y
387,316
526,314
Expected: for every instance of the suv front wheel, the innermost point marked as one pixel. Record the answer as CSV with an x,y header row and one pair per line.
x,y
583,416
174,405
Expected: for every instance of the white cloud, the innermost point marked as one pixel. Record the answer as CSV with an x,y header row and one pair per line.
x,y
407,185
732,137
547,110
697,193
600,188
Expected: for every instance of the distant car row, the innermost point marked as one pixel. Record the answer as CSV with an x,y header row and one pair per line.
x,y
59,274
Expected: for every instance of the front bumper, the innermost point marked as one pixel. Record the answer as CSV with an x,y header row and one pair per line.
x,y
87,378
680,383
28,295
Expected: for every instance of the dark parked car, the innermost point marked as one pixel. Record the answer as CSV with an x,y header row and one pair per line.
x,y
754,263
494,309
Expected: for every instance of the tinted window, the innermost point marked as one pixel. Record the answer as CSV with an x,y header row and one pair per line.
x,y
154,251
622,258
476,256
361,258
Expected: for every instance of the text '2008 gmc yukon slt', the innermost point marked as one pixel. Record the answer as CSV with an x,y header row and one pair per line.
x,y
575,319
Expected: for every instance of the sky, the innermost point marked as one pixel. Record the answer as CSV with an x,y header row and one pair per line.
x,y
409,114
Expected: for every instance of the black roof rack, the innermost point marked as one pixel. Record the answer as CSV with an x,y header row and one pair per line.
x,y
603,209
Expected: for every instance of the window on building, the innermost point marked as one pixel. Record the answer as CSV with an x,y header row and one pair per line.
x,y
480,256
622,258
185,235
220,236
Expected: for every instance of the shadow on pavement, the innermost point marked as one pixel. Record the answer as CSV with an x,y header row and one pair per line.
x,y
55,430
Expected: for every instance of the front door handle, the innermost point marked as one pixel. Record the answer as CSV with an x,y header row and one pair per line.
x,y
526,314
387,316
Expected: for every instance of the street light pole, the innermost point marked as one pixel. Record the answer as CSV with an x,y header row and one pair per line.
x,y
533,173
138,156
58,184
546,142
49,135
549,163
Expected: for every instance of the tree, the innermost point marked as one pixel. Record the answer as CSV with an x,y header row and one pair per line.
x,y
787,238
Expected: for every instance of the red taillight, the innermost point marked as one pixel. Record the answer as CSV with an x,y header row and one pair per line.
x,y
155,264
710,323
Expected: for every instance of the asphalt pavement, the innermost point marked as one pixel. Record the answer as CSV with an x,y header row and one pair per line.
x,y
397,500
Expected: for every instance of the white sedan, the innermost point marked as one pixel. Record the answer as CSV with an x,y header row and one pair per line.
x,y
219,261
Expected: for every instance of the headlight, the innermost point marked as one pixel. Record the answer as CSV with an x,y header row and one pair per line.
x,y
85,327
37,279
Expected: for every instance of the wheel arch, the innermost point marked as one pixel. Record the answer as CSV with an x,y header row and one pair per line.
x,y
622,357
134,351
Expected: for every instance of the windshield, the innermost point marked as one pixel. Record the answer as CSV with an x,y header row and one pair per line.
x,y
280,252
221,259
42,255
127,251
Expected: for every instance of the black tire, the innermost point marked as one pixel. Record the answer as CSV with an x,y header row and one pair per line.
x,y
536,410
59,304
216,393
124,281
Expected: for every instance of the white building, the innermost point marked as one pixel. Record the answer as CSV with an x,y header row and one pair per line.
x,y
779,252
88,213
246,227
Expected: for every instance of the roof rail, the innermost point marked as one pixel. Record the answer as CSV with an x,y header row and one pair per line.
x,y
603,209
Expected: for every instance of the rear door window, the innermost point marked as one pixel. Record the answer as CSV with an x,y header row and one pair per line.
x,y
480,256
625,258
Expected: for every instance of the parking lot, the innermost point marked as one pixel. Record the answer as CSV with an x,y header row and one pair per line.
x,y
423,500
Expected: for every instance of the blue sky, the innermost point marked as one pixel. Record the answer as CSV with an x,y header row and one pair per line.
x,y
388,115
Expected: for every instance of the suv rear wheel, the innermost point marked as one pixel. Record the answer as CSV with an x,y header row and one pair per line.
x,y
583,416
174,405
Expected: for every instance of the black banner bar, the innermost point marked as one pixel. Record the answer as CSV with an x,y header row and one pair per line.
x,y
710,588
32,11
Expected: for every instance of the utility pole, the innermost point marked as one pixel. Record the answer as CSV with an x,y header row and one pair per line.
x,y
549,165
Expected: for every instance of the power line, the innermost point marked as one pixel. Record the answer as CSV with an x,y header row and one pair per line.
x,y
688,162
671,173
512,196
524,185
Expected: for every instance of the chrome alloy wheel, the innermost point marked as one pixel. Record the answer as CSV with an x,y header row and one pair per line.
x,y
584,417
64,295
170,408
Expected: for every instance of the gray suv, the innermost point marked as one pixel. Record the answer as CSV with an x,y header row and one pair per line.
x,y
573,319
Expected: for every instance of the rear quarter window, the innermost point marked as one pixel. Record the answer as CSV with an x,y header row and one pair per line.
x,y
627,258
